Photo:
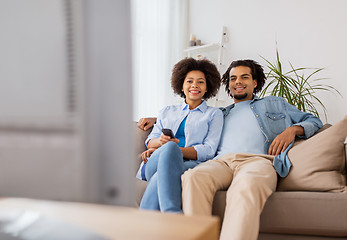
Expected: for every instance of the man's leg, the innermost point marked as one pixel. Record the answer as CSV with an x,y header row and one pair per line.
x,y
200,185
254,181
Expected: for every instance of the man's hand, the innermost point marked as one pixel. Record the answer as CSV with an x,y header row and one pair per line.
x,y
281,142
146,154
146,123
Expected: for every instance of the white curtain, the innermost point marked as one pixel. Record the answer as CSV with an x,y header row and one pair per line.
x,y
159,30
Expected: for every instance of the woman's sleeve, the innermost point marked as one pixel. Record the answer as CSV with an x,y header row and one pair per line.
x,y
156,131
208,148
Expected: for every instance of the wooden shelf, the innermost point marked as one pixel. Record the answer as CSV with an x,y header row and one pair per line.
x,y
206,47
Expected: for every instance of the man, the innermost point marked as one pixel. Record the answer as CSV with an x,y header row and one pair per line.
x,y
257,134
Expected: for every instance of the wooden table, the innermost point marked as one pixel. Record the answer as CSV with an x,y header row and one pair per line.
x,y
113,222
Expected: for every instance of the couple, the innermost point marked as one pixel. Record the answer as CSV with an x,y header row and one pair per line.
x,y
251,136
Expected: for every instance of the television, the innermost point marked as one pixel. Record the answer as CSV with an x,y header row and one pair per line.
x,y
66,119
108,74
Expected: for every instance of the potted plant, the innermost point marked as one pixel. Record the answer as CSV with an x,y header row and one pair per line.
x,y
298,86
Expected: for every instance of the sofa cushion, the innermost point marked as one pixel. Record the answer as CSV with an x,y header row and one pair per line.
x,y
306,213
140,138
301,140
318,163
140,187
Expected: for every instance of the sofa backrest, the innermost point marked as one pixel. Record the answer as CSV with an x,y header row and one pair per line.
x,y
140,137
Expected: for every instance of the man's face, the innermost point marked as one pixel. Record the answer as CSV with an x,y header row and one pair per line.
x,y
241,83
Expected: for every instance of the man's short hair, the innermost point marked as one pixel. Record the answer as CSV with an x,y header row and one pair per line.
x,y
257,72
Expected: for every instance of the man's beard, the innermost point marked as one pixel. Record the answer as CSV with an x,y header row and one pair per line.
x,y
241,96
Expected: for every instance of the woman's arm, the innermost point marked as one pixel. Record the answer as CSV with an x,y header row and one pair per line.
x,y
189,153
158,142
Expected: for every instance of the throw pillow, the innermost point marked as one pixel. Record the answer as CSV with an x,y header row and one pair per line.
x,y
301,140
318,163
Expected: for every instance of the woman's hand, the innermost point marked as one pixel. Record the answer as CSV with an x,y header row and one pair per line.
x,y
146,154
164,139
158,142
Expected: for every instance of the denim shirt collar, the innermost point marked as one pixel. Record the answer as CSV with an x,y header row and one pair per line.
x,y
202,107
227,109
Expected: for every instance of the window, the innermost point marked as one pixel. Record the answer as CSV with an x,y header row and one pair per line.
x,y
159,35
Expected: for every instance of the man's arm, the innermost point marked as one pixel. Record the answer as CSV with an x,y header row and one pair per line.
x,y
304,126
146,123
282,141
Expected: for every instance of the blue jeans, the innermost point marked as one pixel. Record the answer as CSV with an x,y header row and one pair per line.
x,y
163,173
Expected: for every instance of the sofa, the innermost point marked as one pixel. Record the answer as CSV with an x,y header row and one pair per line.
x,y
311,202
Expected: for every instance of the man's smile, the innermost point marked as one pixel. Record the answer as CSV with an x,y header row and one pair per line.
x,y
239,88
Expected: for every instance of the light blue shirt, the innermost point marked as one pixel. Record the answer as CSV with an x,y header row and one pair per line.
x,y
241,132
274,115
202,130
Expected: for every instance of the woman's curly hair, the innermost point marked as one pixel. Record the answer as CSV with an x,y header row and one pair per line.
x,y
183,67
257,72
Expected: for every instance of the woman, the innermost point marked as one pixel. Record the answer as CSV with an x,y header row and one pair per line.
x,y
196,127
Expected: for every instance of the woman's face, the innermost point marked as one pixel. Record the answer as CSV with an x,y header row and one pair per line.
x,y
194,86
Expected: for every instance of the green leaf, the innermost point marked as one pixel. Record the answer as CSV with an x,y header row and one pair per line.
x,y
296,87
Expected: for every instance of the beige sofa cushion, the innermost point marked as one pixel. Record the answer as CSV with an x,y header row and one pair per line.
x,y
306,213
318,164
140,138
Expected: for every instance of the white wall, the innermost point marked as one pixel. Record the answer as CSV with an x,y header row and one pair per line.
x,y
309,33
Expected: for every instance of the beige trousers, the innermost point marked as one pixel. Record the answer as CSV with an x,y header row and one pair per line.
x,y
249,179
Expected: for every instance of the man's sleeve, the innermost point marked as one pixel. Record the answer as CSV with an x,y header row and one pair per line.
x,y
308,121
